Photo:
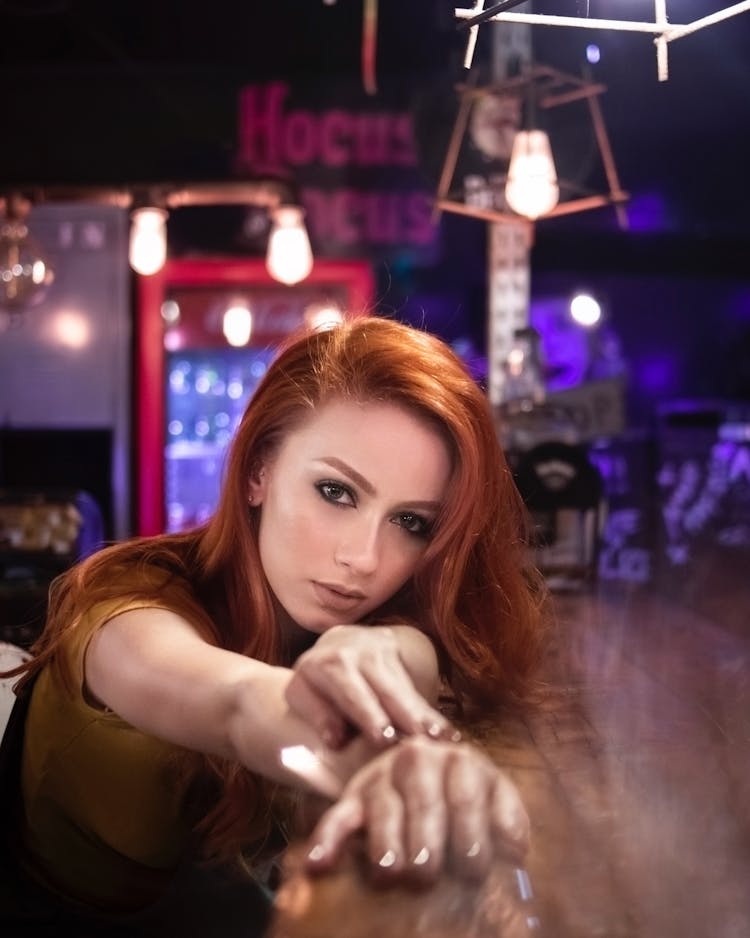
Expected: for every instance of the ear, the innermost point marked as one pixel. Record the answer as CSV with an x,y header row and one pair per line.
x,y
256,486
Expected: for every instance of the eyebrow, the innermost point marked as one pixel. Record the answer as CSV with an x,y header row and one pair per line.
x,y
335,463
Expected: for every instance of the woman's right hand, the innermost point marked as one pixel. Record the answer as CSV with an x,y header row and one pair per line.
x,y
424,806
373,680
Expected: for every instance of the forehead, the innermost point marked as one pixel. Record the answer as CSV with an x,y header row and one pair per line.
x,y
388,418
376,437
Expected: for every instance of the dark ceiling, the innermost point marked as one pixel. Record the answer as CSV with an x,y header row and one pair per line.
x,y
101,91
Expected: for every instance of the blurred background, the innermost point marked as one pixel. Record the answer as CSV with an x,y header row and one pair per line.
x,y
126,385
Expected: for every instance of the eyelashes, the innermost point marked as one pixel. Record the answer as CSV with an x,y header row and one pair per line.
x,y
335,492
339,494
414,524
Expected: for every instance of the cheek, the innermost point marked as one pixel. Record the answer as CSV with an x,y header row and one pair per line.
x,y
401,556
292,523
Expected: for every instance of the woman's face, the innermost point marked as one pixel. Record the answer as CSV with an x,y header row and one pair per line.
x,y
347,505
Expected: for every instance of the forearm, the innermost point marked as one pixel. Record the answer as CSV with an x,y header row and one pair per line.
x,y
155,672
268,738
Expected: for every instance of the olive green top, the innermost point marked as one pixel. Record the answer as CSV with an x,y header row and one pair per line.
x,y
102,818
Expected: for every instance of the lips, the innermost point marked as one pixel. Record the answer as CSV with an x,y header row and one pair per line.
x,y
335,597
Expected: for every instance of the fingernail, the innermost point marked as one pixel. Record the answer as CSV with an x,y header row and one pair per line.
x,y
434,729
474,850
456,736
388,733
422,857
388,859
316,853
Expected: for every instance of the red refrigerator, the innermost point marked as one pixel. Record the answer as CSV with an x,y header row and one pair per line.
x,y
192,384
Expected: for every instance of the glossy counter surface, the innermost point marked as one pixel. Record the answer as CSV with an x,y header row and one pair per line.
x,y
635,771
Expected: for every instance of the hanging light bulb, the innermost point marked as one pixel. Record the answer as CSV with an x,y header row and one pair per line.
x,y
532,188
323,315
25,272
237,325
148,240
289,258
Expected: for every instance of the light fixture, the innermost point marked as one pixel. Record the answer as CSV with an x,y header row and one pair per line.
x,y
237,325
323,315
148,240
25,272
289,258
585,310
531,188
661,28
521,179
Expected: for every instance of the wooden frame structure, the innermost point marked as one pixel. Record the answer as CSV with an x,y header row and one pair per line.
x,y
550,88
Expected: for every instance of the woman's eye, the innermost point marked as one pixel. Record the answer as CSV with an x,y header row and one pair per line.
x,y
335,492
414,524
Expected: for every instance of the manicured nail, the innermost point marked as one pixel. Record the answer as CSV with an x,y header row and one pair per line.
x,y
434,729
388,859
456,736
474,850
422,857
388,733
316,853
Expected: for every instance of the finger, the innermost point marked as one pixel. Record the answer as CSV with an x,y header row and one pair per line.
x,y
387,852
418,777
339,822
407,709
316,710
469,801
510,822
353,698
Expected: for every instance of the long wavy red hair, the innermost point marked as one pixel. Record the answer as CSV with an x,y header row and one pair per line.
x,y
474,593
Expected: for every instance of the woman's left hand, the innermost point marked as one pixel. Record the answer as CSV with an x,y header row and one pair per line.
x,y
370,679
423,807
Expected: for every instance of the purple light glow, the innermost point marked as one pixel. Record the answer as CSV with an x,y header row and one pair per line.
x,y
738,305
648,212
564,344
657,374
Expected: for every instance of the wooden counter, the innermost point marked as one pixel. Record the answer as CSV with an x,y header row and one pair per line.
x,y
635,771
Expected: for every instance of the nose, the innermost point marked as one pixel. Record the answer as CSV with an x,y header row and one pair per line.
x,y
358,547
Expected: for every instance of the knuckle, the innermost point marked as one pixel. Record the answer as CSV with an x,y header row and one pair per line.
x,y
414,752
334,667
463,795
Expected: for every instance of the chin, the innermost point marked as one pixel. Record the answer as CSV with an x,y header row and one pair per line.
x,y
317,624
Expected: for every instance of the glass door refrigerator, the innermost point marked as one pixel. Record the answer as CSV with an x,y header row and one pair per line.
x,y
206,332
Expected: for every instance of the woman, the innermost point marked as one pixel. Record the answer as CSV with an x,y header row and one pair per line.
x,y
187,686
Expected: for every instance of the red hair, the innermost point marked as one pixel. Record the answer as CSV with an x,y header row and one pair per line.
x,y
474,593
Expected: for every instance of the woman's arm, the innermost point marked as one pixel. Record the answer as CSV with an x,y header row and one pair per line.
x,y
155,671
420,803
